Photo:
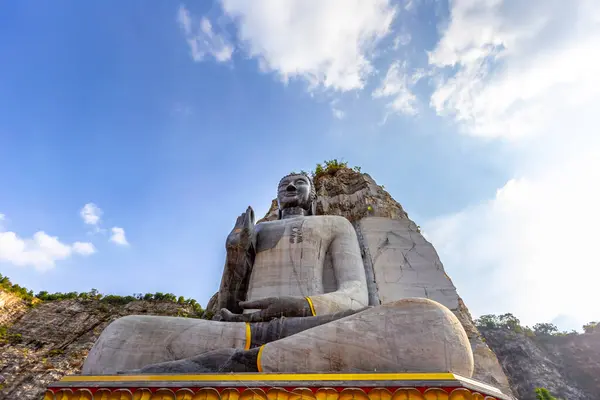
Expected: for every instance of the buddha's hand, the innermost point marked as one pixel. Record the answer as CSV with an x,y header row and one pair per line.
x,y
241,235
270,308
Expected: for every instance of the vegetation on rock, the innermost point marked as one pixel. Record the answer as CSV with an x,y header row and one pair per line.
x,y
9,338
591,327
510,322
23,293
328,168
31,299
544,394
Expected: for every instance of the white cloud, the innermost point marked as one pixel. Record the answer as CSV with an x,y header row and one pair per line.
x,y
118,236
326,43
202,39
402,39
531,249
339,114
335,110
90,213
41,251
517,63
84,248
396,84
526,72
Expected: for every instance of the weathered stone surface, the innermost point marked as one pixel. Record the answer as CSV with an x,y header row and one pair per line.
x,y
295,265
404,263
568,366
135,341
212,306
416,335
11,307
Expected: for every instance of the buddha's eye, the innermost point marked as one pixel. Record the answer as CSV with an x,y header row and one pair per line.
x,y
302,181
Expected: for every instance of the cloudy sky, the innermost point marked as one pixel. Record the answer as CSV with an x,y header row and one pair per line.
x,y
133,133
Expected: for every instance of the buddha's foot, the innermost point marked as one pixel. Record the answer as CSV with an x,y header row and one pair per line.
x,y
223,360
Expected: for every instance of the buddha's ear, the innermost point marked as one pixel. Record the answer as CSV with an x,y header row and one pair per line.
x,y
279,213
313,208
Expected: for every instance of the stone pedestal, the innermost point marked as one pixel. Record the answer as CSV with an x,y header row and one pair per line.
x,y
264,386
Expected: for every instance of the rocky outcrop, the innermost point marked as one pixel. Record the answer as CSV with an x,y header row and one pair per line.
x,y
52,339
568,366
11,307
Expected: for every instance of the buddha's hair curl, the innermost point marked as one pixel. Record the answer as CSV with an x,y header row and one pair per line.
x,y
313,190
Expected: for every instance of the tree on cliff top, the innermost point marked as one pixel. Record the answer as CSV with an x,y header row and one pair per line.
x,y
545,328
507,321
591,327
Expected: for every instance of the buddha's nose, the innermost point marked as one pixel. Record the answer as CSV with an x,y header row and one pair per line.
x,y
291,187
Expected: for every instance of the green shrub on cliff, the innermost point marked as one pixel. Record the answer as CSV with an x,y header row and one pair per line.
x,y
9,338
507,321
544,394
23,293
328,168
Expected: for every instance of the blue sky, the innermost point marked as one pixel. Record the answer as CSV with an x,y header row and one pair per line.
x,y
171,118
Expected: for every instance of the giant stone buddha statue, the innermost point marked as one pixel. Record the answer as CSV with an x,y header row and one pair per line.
x,y
293,298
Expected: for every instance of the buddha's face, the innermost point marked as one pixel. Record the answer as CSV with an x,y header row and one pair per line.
x,y
294,191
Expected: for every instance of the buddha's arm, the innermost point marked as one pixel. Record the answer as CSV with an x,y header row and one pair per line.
x,y
236,275
240,246
352,293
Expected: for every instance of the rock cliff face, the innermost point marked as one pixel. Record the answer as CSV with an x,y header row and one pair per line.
x,y
55,338
568,366
11,307
399,262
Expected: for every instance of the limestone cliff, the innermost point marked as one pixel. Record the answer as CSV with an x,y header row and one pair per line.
x,y
399,262
52,339
568,366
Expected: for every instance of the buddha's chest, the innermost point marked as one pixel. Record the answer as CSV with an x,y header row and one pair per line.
x,y
289,261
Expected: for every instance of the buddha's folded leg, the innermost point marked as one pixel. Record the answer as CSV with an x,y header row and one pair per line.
x,y
266,332
135,341
234,359
409,335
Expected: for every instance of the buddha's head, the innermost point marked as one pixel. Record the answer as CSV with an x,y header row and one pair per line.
x,y
296,191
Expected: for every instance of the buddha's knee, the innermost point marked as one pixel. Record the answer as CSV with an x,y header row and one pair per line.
x,y
425,310
125,326
428,325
